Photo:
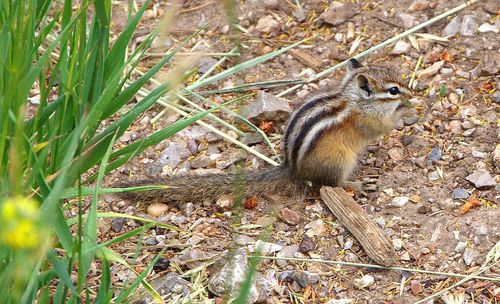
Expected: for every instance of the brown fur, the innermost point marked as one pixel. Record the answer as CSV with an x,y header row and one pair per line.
x,y
196,188
333,157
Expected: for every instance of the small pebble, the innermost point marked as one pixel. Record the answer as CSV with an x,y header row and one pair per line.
x,y
117,224
289,216
406,140
396,154
435,154
405,257
225,201
481,179
479,154
433,176
416,287
306,244
266,248
482,230
470,255
366,281
397,244
469,25
400,201
460,247
157,209
305,278
487,27
460,193
454,126
315,228
469,132
410,120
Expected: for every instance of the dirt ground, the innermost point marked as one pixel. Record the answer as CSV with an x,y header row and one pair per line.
x,y
421,192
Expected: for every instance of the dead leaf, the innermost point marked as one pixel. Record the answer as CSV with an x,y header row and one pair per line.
x,y
472,203
251,202
309,294
266,126
446,57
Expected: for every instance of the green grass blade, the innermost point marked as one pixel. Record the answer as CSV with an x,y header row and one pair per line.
x,y
73,220
104,293
116,55
245,65
125,293
166,132
90,242
61,271
73,192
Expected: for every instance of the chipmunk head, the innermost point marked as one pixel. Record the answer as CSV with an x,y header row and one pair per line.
x,y
377,90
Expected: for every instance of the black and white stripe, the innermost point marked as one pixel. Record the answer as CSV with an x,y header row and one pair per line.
x,y
318,114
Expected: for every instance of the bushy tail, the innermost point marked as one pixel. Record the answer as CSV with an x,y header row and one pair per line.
x,y
196,188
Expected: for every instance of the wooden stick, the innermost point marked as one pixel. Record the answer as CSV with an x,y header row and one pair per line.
x,y
373,240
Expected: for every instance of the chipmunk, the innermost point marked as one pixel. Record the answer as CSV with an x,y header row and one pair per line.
x,y
321,143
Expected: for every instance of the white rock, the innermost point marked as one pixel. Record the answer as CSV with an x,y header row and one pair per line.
x,y
468,26
225,201
408,20
316,227
496,155
400,201
487,27
267,24
470,255
406,256
350,32
432,70
364,282
265,248
339,37
479,154
397,244
388,191
460,246
433,176
452,28
401,47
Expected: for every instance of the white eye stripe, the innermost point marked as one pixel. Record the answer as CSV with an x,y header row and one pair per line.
x,y
385,95
404,91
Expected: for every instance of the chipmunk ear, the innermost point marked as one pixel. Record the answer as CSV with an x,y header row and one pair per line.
x,y
353,64
364,84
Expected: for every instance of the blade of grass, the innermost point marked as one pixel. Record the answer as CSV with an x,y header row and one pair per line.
x,y
73,220
90,241
125,293
61,271
252,86
245,65
104,293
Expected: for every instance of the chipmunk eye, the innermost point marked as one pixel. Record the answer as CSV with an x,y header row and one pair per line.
x,y
394,91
